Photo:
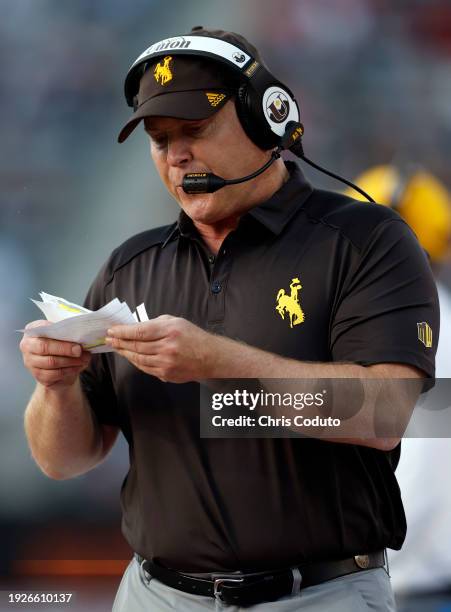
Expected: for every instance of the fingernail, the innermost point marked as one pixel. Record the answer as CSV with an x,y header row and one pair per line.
x,y
76,350
109,332
108,340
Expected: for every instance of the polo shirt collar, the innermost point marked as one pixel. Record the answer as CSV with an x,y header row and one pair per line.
x,y
274,213
277,211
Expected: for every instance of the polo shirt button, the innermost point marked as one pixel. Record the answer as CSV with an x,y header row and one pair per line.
x,y
216,287
211,259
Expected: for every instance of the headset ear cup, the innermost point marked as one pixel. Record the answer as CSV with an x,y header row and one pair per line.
x,y
243,113
251,122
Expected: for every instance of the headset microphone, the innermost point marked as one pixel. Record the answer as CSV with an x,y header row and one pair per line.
x,y
207,182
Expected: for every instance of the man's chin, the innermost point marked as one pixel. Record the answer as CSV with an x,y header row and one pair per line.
x,y
196,205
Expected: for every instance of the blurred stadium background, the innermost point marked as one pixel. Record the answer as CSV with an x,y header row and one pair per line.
x,y
373,79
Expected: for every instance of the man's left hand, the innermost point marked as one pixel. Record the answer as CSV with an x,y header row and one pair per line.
x,y
170,348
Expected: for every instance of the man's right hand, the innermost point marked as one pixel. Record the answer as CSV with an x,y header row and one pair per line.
x,y
55,364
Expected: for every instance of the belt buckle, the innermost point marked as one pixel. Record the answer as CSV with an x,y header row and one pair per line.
x,y
143,573
219,582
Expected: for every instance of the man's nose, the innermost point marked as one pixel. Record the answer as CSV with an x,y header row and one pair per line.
x,y
179,152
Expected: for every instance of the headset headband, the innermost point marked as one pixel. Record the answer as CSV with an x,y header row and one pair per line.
x,y
219,50
199,45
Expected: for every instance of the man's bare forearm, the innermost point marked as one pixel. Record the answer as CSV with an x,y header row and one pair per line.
x,y
63,435
380,385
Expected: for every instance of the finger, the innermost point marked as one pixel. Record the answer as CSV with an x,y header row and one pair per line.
x,y
139,360
150,347
46,346
50,377
150,364
52,362
149,330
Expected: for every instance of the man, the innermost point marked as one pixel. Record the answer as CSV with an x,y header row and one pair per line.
x,y
241,522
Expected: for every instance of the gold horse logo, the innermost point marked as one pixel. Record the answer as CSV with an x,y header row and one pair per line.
x,y
290,303
162,72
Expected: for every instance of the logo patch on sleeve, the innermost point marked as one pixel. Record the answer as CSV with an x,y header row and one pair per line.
x,y
289,304
425,334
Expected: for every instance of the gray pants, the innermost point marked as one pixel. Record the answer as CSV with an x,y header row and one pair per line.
x,y
363,591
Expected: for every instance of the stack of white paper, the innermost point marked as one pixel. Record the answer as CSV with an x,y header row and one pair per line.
x,y
77,324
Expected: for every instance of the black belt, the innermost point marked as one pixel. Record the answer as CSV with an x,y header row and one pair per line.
x,y
250,589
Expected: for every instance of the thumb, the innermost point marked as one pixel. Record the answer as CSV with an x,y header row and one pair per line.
x,y
38,323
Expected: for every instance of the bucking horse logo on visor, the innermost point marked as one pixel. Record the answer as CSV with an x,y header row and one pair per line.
x,y
162,72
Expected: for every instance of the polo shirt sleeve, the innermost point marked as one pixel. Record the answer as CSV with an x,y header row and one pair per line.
x,y
96,380
387,309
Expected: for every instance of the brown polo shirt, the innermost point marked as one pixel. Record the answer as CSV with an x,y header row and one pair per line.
x,y
362,283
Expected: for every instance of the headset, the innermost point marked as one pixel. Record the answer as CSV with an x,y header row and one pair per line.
x,y
266,108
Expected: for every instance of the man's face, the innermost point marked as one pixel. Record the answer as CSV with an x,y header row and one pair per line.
x,y
217,144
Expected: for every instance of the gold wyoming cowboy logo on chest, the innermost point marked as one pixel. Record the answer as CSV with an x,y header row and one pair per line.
x,y
289,304
162,72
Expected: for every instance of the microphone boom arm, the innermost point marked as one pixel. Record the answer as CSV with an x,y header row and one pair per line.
x,y
207,182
